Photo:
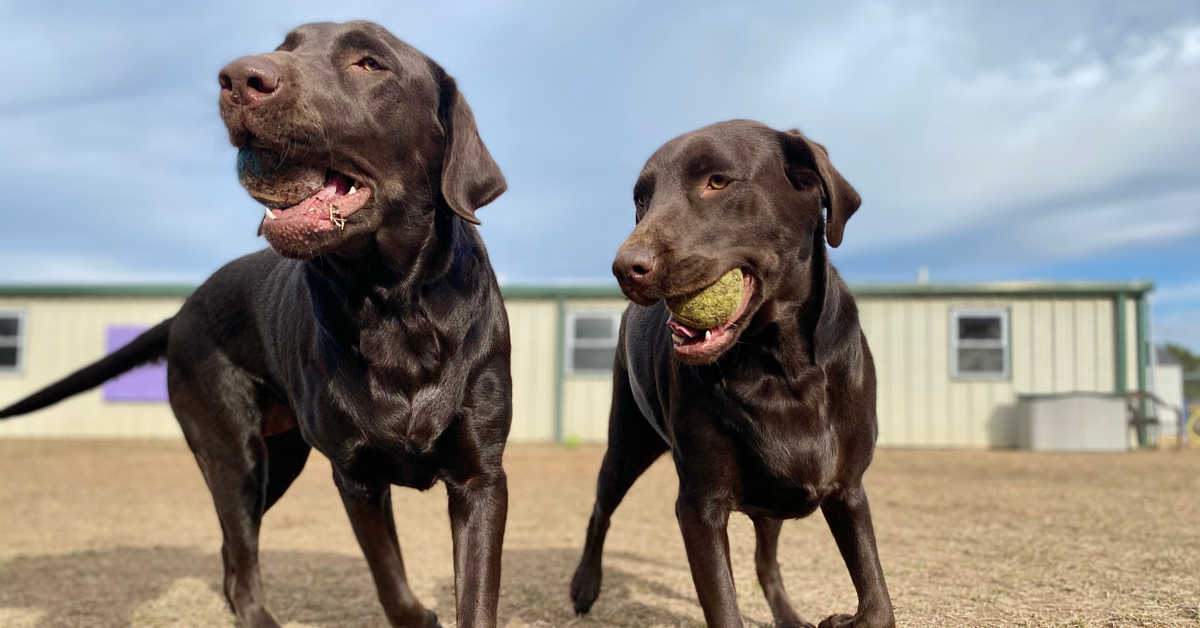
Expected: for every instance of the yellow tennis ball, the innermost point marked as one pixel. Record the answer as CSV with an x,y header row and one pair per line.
x,y
711,306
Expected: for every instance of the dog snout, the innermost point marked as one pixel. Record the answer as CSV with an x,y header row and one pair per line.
x,y
635,268
634,263
250,82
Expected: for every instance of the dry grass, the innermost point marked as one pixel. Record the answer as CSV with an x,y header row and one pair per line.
x,y
123,534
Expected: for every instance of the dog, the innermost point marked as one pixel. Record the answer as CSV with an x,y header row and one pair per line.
x,y
373,328
771,413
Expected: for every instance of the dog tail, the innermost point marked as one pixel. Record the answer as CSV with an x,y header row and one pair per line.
x,y
147,347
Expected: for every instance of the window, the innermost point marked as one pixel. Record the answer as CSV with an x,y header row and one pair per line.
x,y
592,342
979,344
12,341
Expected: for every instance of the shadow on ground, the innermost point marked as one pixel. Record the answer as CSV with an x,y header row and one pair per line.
x,y
104,589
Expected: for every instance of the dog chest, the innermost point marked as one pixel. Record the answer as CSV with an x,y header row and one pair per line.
x,y
787,453
786,484
371,464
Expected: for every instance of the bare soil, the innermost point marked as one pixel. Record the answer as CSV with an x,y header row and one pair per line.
x,y
101,534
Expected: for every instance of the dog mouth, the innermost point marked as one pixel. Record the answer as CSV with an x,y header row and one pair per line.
x,y
702,346
330,206
300,201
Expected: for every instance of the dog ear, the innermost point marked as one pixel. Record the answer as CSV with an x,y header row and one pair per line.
x,y
802,157
470,178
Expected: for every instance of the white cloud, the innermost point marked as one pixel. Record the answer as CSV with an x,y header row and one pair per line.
x,y
1065,137
1099,227
935,151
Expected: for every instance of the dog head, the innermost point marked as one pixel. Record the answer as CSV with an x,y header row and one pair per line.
x,y
344,130
732,195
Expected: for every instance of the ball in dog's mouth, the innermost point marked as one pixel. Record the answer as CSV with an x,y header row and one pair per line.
x,y
274,181
709,306
300,200
702,341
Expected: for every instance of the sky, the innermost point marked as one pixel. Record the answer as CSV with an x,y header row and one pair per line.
x,y
989,140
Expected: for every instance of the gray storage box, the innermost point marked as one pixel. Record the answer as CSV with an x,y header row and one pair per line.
x,y
1072,422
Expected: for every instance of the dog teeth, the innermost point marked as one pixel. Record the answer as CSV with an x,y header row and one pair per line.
x,y
707,334
270,216
677,338
352,190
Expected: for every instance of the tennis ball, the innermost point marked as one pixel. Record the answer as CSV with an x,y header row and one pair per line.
x,y
711,306
275,181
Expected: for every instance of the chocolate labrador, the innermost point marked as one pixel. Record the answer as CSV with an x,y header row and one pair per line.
x,y
771,413
374,331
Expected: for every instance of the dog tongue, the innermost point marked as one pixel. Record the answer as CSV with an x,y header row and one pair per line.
x,y
683,330
317,205
338,184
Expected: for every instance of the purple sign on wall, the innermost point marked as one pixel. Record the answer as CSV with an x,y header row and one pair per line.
x,y
144,383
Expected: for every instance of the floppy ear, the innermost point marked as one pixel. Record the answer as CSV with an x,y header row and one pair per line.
x,y
470,178
803,156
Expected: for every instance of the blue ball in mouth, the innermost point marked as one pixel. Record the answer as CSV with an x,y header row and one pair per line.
x,y
277,182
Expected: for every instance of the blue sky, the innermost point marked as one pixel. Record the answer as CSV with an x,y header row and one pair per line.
x,y
990,141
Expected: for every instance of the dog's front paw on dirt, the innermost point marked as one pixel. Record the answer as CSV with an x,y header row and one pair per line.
x,y
858,621
585,588
798,623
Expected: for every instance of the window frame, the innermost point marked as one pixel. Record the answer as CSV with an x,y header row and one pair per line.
x,y
1004,343
573,343
21,342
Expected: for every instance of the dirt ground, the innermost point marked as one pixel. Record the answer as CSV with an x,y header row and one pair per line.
x,y
102,534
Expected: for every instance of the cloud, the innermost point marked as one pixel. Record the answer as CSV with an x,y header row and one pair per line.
x,y
991,140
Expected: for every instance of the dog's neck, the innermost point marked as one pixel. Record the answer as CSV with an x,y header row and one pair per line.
x,y
413,259
789,329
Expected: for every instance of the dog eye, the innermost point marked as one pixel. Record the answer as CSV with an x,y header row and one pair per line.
x,y
639,201
369,64
717,182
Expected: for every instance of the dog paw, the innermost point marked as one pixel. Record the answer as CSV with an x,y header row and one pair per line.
x,y
432,620
838,621
855,621
585,588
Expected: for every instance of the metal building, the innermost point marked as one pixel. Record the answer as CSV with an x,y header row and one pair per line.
x,y
951,359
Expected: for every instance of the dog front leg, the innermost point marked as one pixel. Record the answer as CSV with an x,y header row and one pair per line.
x,y
849,519
369,507
478,509
707,542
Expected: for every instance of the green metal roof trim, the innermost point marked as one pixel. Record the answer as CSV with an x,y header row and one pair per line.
x,y
1009,288
1005,288
96,291
551,291
577,291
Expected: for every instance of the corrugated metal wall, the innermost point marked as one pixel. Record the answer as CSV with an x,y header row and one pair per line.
x,y
65,334
1057,345
588,398
532,324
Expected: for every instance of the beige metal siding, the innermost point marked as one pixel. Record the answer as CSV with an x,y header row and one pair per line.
x,y
588,398
586,404
1057,345
532,323
1131,364
65,334
1106,345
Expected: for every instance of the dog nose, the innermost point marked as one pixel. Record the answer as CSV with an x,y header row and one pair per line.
x,y
634,263
250,81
